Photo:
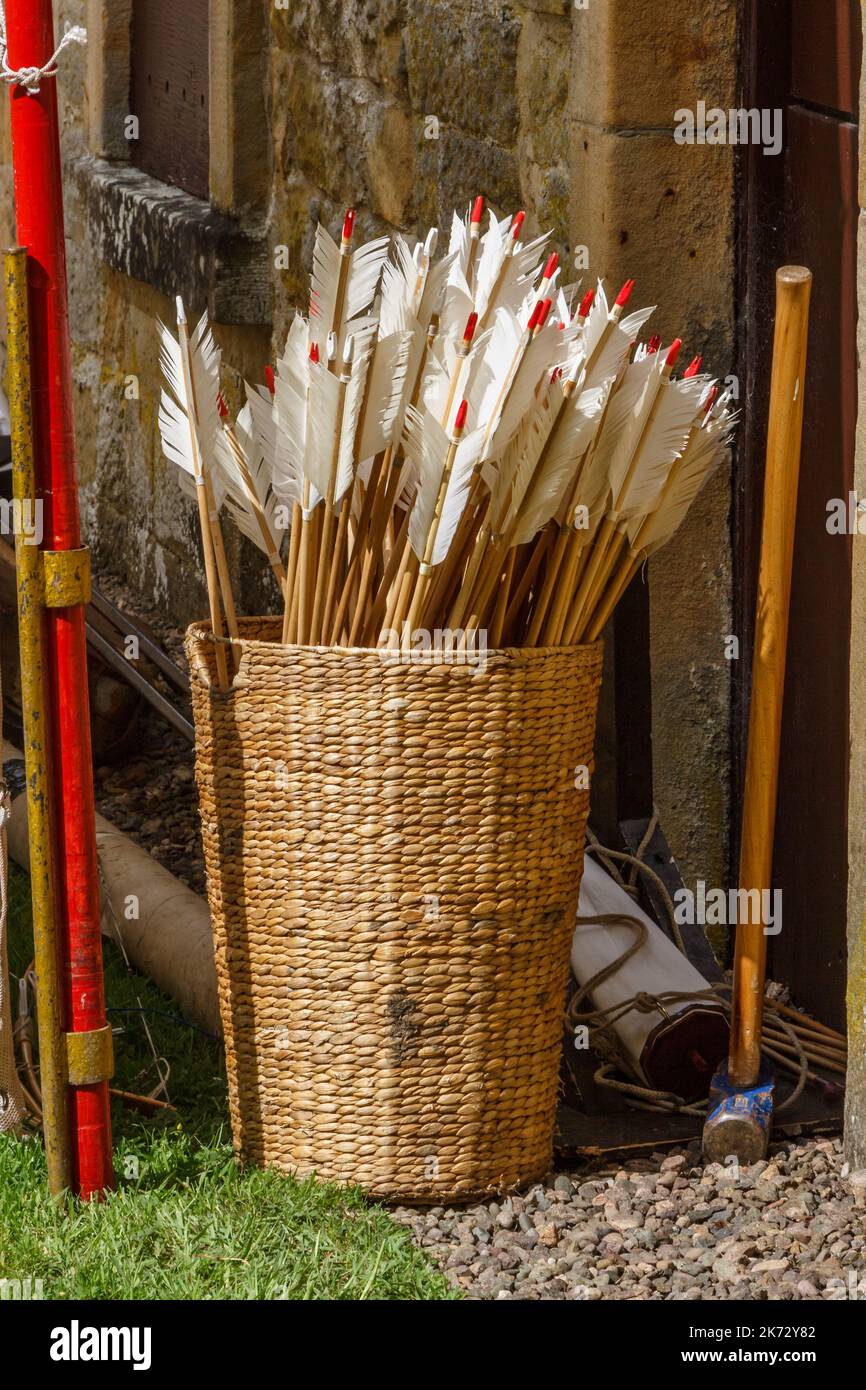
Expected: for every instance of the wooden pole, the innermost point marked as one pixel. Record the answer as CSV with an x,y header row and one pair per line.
x,y
787,390
205,509
269,544
425,569
40,228
291,602
37,743
353,585
324,555
222,564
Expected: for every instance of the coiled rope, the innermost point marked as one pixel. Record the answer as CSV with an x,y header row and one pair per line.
x,y
600,1022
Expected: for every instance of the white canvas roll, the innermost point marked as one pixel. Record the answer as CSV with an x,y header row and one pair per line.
x,y
658,967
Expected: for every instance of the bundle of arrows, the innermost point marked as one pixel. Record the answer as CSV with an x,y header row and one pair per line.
x,y
458,446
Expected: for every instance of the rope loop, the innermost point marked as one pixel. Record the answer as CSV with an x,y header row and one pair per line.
x,y
600,1022
31,78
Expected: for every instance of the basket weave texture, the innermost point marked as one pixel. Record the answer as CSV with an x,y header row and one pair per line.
x,y
394,853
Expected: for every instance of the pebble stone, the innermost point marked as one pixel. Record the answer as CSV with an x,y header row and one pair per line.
x,y
666,1228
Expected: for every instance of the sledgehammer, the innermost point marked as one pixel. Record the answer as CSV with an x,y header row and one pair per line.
x,y
741,1097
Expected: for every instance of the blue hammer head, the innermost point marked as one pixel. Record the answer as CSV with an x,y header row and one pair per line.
x,y
738,1124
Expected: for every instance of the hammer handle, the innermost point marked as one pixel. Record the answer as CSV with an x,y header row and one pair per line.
x,y
793,290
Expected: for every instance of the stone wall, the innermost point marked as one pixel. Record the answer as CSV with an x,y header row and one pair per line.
x,y
406,108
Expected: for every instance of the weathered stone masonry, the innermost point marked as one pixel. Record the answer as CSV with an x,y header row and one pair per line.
x,y
408,107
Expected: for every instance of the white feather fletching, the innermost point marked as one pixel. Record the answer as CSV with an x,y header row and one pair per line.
x,y
289,415
504,274
627,416
458,246
497,366
177,414
625,443
323,426
557,458
365,269
705,451
427,444
494,244
429,304
351,413
399,277
238,501
620,339
386,381
546,351
666,437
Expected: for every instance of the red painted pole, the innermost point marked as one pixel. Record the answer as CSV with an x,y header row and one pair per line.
x,y
39,212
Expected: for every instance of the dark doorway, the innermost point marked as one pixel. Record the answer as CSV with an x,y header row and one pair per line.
x,y
801,207
169,91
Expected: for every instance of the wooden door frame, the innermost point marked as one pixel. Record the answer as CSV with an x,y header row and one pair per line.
x,y
765,67
767,234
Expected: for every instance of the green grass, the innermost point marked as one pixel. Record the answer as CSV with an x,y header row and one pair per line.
x,y
186,1222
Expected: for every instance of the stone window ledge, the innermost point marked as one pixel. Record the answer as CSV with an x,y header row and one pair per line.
x,y
175,243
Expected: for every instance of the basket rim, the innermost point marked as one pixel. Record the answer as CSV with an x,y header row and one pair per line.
x,y
201,630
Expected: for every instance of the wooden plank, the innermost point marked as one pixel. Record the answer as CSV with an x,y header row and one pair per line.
x,y
622,783
633,1132
811,856
633,703
766,66
826,54
169,91
638,1133
608,1131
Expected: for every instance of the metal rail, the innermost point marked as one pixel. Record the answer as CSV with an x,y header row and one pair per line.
x,y
124,668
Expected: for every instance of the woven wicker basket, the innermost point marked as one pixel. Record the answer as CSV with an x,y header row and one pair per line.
x,y
394,855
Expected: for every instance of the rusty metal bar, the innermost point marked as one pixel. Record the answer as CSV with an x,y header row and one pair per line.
x,y
30,579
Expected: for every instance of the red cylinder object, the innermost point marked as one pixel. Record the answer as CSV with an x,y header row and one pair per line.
x,y
39,212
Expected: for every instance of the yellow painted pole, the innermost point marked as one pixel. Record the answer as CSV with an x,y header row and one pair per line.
x,y
52,1054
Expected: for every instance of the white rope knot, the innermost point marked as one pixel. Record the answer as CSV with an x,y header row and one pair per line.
x,y
31,78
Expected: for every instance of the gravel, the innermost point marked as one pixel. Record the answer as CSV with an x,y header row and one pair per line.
x,y
152,797
666,1228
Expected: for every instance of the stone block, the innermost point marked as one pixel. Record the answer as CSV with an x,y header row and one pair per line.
x,y
635,64
390,161
557,7
546,194
450,171
543,88
462,67
357,148
660,212
354,38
